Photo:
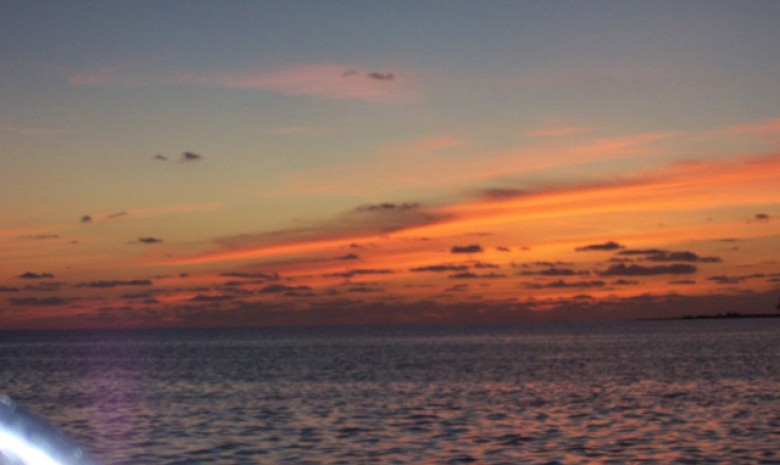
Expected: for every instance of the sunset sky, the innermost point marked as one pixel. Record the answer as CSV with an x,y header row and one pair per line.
x,y
279,163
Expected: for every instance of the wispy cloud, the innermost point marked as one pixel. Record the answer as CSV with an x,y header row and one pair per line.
x,y
331,81
42,301
363,224
771,126
678,187
115,283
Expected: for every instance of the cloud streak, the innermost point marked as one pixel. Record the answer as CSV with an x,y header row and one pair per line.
x,y
622,269
679,187
115,283
329,81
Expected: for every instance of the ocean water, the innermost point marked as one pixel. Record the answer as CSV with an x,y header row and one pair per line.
x,y
697,392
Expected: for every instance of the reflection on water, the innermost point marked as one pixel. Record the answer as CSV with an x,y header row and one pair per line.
x,y
641,392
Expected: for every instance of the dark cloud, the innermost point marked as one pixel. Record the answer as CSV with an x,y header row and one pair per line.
x,y
553,271
485,266
8,289
190,156
233,289
387,206
86,219
559,284
373,75
726,279
303,294
160,157
625,282
356,272
657,255
637,270
43,287
469,275
281,288
761,217
503,249
681,257
381,76
349,256
611,245
106,284
364,289
42,302
112,216
458,288
474,248
683,281
31,275
246,275
140,295
212,298
640,252
543,263
149,240
440,268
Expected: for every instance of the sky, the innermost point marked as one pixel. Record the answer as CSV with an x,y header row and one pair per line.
x,y
217,164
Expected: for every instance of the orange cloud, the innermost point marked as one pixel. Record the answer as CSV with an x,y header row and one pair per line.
x,y
547,219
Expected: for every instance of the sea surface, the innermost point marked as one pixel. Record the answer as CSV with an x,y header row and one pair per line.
x,y
687,392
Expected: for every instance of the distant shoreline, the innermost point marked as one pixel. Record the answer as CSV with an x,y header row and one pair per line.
x,y
720,316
